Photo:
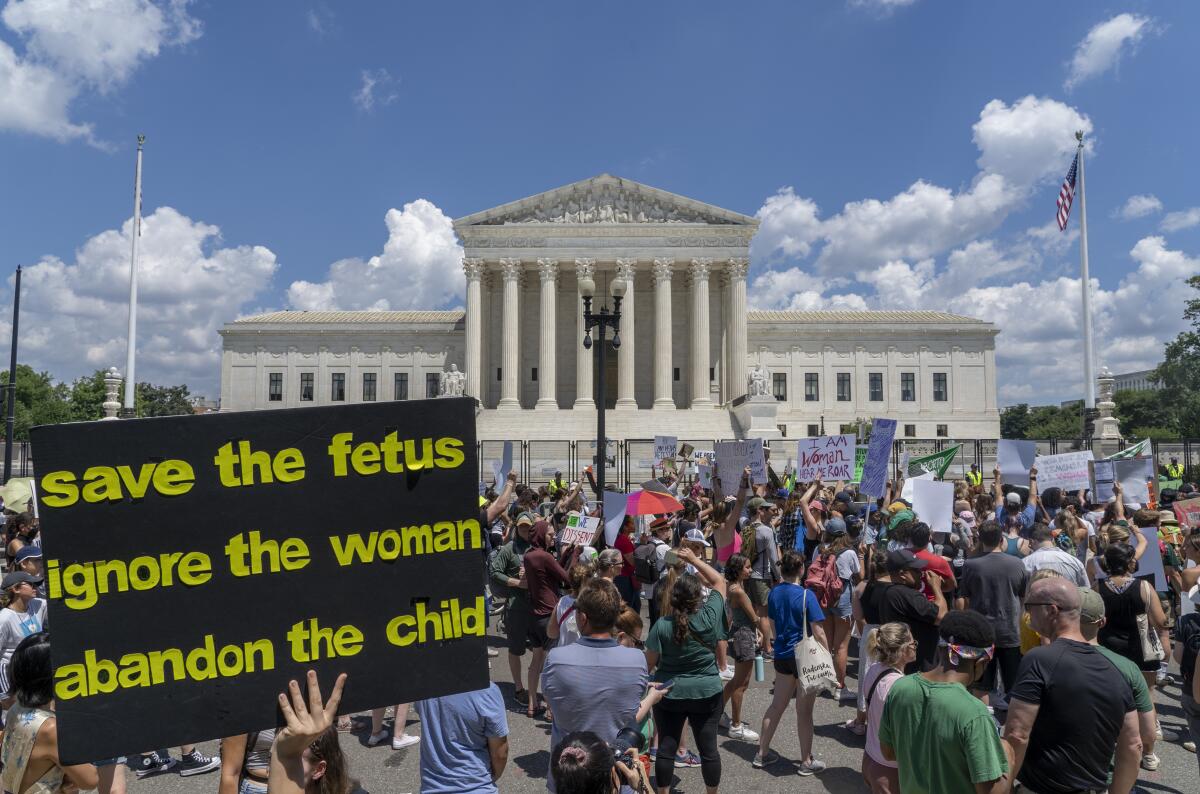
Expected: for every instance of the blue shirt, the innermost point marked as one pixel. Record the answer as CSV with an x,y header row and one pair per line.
x,y
454,740
1026,516
786,607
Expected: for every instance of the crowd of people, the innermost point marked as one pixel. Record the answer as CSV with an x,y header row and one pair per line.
x,y
1020,648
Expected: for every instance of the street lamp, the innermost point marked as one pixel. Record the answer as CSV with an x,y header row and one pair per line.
x,y
602,320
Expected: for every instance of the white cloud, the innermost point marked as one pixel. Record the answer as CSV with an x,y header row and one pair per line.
x,y
881,7
378,88
1138,206
788,226
1184,219
420,268
1029,141
74,314
75,45
1103,46
319,19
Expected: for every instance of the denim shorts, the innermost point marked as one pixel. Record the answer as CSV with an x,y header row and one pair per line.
x,y
249,785
844,607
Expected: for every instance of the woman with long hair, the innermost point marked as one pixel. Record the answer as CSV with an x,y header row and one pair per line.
x,y
23,615
1125,599
562,627
744,639
306,757
866,616
791,607
892,647
583,763
837,543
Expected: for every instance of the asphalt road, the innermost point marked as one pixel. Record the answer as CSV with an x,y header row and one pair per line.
x,y
381,770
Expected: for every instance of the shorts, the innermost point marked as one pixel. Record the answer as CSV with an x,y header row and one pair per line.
x,y
249,785
758,590
844,607
525,630
1168,608
743,645
785,665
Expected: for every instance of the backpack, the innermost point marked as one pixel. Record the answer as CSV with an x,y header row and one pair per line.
x,y
647,567
823,580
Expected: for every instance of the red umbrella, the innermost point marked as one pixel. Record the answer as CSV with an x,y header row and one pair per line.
x,y
644,503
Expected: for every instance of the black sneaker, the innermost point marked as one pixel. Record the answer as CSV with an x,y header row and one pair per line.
x,y
150,764
196,763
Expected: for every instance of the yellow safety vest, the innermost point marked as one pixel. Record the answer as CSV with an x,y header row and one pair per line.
x,y
974,478
1175,471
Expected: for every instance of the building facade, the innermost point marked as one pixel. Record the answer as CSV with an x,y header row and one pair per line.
x,y
687,338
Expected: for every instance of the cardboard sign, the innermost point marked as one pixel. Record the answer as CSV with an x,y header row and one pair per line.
x,y
1068,470
685,451
1132,473
879,456
196,564
733,456
933,502
615,505
579,530
501,468
704,473
908,490
1015,458
1188,513
827,458
664,447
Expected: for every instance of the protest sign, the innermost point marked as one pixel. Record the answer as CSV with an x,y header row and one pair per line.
x,y
664,447
1068,470
828,458
704,473
879,456
1150,565
908,490
933,502
685,451
1015,459
860,460
733,456
1188,513
937,463
615,504
501,468
580,530
1132,473
196,564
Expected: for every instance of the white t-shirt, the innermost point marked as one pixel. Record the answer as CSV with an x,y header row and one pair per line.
x,y
847,564
568,629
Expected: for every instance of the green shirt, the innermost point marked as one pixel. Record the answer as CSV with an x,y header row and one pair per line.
x,y
694,664
1131,673
507,564
944,739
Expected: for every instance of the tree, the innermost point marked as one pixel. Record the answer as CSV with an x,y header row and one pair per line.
x,y
1143,409
1052,421
154,400
39,401
1179,373
87,397
1014,420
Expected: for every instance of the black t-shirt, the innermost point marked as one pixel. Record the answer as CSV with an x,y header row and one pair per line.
x,y
906,605
994,585
871,600
1187,634
1082,700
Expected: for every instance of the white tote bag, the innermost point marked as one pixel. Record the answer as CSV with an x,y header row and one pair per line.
x,y
814,664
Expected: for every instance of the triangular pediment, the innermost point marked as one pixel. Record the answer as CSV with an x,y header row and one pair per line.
x,y
609,200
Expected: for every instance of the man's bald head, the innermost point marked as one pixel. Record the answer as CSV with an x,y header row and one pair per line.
x,y
1058,591
1060,594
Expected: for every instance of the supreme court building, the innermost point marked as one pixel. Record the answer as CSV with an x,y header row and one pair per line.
x,y
687,338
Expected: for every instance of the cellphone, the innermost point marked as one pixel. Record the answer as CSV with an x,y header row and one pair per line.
x,y
671,558
665,685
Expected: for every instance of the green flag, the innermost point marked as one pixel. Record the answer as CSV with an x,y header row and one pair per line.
x,y
937,463
860,460
1136,451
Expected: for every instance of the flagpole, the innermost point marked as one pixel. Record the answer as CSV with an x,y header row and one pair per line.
x,y
1089,376
131,343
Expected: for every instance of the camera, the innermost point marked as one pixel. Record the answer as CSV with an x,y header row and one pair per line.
x,y
626,738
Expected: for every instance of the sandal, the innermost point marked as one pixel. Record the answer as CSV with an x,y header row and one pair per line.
x,y
521,696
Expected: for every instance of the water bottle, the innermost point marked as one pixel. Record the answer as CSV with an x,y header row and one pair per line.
x,y
759,673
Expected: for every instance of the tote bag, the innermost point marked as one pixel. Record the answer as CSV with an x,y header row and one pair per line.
x,y
814,664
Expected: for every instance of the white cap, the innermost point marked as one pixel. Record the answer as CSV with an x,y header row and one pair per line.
x,y
695,536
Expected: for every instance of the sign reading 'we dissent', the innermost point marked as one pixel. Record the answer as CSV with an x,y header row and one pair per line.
x,y
196,564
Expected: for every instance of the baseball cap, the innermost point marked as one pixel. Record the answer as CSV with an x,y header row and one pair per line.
x,y
835,526
967,517
525,520
18,577
28,553
900,517
696,536
900,559
757,502
1091,606
1013,498
816,504
844,496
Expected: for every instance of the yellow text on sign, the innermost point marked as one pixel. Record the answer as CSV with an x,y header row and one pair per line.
x,y
114,483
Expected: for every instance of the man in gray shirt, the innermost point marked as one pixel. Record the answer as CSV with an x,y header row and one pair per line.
x,y
994,586
594,684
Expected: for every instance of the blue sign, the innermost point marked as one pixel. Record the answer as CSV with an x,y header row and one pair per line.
x,y
879,456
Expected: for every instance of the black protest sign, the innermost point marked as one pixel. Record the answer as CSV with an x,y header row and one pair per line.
x,y
196,564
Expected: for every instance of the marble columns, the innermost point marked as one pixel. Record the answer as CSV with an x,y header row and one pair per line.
x,y
700,333
510,375
663,370
473,267
584,268
626,269
547,375
735,274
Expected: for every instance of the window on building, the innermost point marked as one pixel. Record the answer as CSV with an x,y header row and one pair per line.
x,y
369,387
499,372
908,387
712,374
534,375
782,430
275,387
939,387
779,385
843,387
337,387
675,373
812,388
306,387
910,431
943,431
433,382
400,386
875,382
814,431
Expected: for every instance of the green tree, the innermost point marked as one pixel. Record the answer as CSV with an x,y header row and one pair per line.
x,y
1014,421
1143,409
154,400
39,401
1052,421
87,397
1179,373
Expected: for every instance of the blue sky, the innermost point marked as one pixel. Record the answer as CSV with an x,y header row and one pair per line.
x,y
901,155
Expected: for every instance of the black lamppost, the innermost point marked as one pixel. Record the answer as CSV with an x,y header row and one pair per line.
x,y
603,320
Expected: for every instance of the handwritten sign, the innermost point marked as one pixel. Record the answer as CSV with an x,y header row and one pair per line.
x,y
1068,471
879,455
827,458
733,456
1015,458
664,447
1132,473
1188,513
579,530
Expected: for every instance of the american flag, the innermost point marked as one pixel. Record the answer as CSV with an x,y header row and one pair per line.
x,y
1066,195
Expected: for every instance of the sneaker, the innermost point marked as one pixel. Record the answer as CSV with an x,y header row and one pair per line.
x,y
404,740
1169,735
855,727
492,652
521,696
689,760
742,732
724,723
376,739
1150,762
761,760
1190,746
1164,679
151,764
811,767
726,674
846,693
196,763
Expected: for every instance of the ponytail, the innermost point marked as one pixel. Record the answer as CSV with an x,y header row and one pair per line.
x,y
685,600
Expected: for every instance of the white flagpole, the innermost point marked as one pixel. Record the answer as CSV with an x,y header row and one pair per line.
x,y
131,349
1089,376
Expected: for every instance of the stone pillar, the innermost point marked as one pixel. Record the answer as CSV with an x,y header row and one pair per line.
x,y
701,359
735,270
510,375
626,269
473,267
584,268
663,371
1106,439
547,375
112,385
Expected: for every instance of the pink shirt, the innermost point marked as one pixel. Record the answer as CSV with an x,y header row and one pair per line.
x,y
724,553
875,710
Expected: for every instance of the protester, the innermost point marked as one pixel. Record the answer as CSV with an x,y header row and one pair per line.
x,y
791,606
1010,504
650,560
1126,599
919,536
866,617
940,736
900,601
23,615
544,577
508,576
563,627
1070,709
744,641
626,581
246,762
994,585
835,569
892,647
758,546
585,764
466,741
1187,653
1046,554
306,757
